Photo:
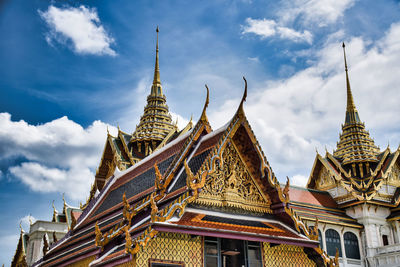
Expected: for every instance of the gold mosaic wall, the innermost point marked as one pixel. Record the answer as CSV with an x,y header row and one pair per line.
x,y
285,255
172,247
83,263
127,264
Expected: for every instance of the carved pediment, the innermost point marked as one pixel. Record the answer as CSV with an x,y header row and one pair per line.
x,y
231,185
325,180
394,176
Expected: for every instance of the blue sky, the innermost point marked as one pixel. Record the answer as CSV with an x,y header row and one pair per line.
x,y
69,69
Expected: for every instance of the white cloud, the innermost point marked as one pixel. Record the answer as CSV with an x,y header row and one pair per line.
x,y
299,180
319,12
26,222
81,26
182,122
61,154
269,28
294,116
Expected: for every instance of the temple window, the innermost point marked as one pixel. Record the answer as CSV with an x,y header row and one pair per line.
x,y
332,242
351,245
385,240
220,252
321,244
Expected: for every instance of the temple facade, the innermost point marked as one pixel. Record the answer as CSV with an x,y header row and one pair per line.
x,y
164,197
353,195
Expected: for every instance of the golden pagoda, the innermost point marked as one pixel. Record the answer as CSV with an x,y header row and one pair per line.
x,y
154,131
355,144
156,122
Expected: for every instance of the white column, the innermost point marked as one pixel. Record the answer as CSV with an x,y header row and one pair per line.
x,y
342,246
397,231
323,239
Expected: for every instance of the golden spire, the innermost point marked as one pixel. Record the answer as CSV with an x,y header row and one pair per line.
x,y
156,88
355,144
351,111
156,122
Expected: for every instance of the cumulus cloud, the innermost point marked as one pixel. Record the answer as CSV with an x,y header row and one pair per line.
x,y
269,28
319,12
298,14
60,155
79,27
182,122
294,116
26,222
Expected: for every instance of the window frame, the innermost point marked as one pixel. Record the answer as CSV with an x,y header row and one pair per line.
x,y
347,246
339,244
219,255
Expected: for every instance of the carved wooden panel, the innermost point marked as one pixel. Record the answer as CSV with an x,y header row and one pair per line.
x,y
232,186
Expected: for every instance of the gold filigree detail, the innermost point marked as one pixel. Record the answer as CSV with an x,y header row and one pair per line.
x,y
325,179
232,186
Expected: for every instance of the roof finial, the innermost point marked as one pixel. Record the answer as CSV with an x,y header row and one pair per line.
x,y
156,79
351,111
203,116
240,109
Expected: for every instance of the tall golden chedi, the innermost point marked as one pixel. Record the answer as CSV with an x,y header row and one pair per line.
x,y
154,130
156,122
355,144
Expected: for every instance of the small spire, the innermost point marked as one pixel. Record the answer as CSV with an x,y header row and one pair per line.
x,y
54,208
203,116
156,79
351,111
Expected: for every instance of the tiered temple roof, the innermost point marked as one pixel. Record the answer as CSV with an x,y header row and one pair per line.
x,y
154,131
355,144
357,170
208,183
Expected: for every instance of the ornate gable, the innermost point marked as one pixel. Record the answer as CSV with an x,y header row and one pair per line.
x,y
231,185
325,180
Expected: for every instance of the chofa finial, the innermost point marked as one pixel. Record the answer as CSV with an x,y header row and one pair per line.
x,y
203,113
240,109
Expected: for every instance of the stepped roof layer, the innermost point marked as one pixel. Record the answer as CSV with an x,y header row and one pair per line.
x,y
355,145
154,131
357,170
175,190
363,182
311,204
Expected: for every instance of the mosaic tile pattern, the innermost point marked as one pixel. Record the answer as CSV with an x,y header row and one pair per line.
x,y
172,247
285,255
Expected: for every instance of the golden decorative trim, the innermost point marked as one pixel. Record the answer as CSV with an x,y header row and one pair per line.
x,y
231,185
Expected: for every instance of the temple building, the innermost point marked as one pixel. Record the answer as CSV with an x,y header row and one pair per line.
x,y
353,195
35,243
191,197
164,197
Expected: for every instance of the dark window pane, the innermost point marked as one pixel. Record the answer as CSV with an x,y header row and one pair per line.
x,y
254,254
232,253
351,246
332,242
211,248
385,240
210,238
211,261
